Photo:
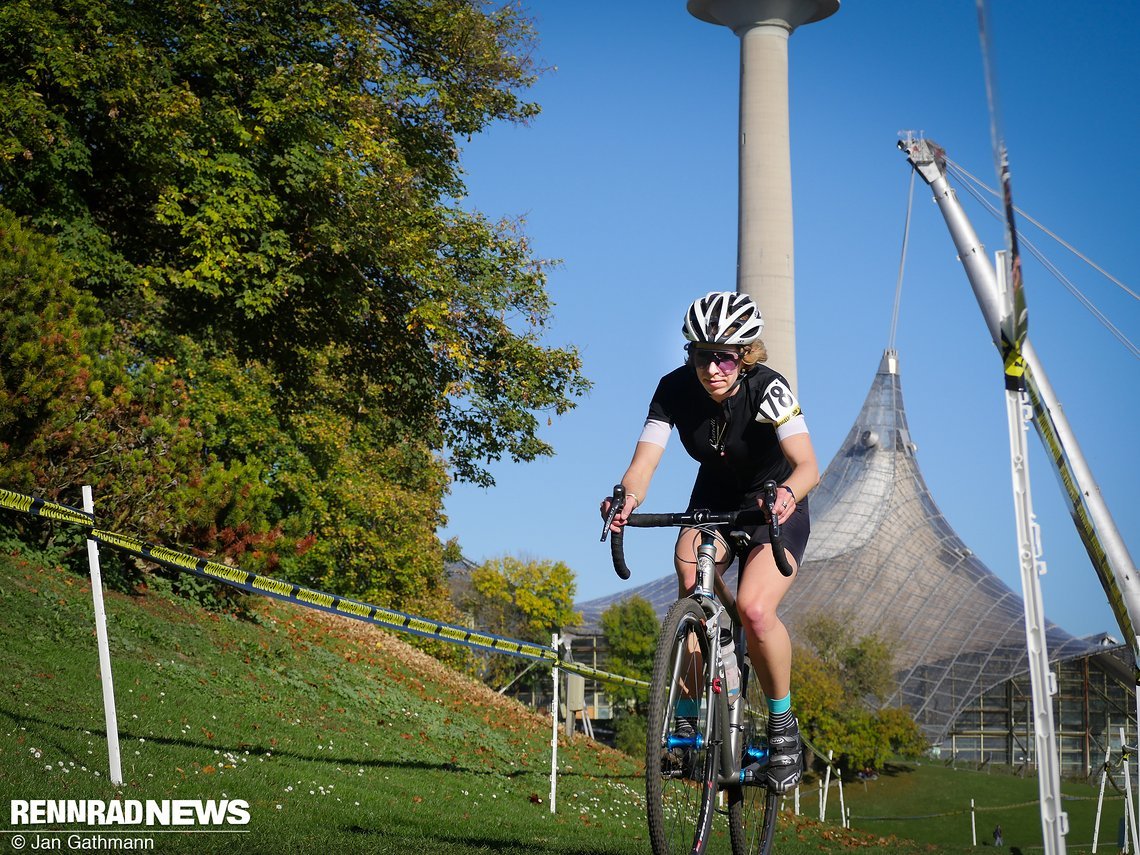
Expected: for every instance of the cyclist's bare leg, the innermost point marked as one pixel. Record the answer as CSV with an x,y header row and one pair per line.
x,y
761,589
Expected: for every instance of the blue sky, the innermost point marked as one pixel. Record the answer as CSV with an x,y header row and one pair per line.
x,y
629,177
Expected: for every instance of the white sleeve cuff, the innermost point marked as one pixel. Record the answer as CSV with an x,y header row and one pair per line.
x,y
656,433
793,426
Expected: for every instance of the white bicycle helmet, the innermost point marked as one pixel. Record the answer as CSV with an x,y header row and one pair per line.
x,y
723,317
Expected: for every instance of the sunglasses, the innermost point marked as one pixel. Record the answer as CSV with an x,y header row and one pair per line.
x,y
726,360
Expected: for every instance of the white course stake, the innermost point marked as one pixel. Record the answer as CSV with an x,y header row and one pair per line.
x,y
973,824
1100,798
1129,810
554,728
826,787
109,715
842,806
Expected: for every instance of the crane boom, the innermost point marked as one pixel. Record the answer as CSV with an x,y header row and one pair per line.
x,y
1097,529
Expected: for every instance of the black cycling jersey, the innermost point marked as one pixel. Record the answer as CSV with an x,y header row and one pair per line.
x,y
734,442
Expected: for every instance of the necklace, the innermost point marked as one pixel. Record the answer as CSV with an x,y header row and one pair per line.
x,y
716,429
716,434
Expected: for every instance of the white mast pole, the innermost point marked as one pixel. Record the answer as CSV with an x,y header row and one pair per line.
x,y
996,305
1102,539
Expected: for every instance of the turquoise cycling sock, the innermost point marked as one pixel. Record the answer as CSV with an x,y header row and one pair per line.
x,y
688,708
780,705
780,712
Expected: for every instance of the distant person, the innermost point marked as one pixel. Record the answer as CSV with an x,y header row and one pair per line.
x,y
997,836
739,420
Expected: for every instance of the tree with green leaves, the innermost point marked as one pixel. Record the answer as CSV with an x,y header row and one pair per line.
x,y
864,665
841,684
262,201
70,403
630,628
524,599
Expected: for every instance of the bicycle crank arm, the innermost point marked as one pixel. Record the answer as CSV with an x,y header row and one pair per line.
x,y
751,775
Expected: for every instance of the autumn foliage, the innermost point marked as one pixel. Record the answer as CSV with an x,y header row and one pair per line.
x,y
238,293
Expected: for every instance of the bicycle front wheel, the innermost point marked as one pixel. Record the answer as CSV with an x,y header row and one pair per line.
x,y
680,767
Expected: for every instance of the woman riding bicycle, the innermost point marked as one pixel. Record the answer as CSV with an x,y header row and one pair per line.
x,y
739,420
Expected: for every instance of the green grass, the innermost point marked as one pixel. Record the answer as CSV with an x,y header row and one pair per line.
x,y
342,737
942,796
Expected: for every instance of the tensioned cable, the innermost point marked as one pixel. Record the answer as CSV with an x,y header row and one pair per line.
x,y
962,174
1067,283
902,264
1072,289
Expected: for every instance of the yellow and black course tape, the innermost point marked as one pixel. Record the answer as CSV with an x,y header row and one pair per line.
x,y
43,508
256,584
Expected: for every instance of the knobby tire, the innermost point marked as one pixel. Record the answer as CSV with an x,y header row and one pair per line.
x,y
752,819
680,811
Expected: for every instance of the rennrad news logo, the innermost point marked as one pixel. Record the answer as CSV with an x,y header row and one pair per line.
x,y
132,812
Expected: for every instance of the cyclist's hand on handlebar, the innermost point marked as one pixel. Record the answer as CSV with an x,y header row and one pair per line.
x,y
622,515
785,504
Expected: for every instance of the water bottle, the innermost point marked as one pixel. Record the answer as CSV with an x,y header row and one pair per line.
x,y
731,665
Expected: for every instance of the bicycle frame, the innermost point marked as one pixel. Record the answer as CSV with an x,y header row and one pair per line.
x,y
717,612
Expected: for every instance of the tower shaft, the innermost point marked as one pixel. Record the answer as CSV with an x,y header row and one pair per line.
x,y
765,256
765,251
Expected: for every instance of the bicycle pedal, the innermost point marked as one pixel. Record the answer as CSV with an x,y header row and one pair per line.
x,y
752,775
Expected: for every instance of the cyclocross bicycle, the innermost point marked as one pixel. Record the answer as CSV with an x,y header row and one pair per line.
x,y
717,767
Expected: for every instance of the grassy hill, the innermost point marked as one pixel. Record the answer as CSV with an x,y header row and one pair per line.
x,y
337,734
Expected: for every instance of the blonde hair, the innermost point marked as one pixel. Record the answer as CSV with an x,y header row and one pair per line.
x,y
753,353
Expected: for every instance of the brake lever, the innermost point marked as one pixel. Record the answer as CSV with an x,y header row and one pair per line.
x,y
617,502
770,489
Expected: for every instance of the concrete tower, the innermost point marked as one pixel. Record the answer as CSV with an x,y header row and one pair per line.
x,y
765,257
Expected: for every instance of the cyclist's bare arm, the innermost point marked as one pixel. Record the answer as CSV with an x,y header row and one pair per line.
x,y
805,474
646,457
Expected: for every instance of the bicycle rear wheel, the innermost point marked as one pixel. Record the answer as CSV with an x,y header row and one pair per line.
x,y
680,775
752,808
